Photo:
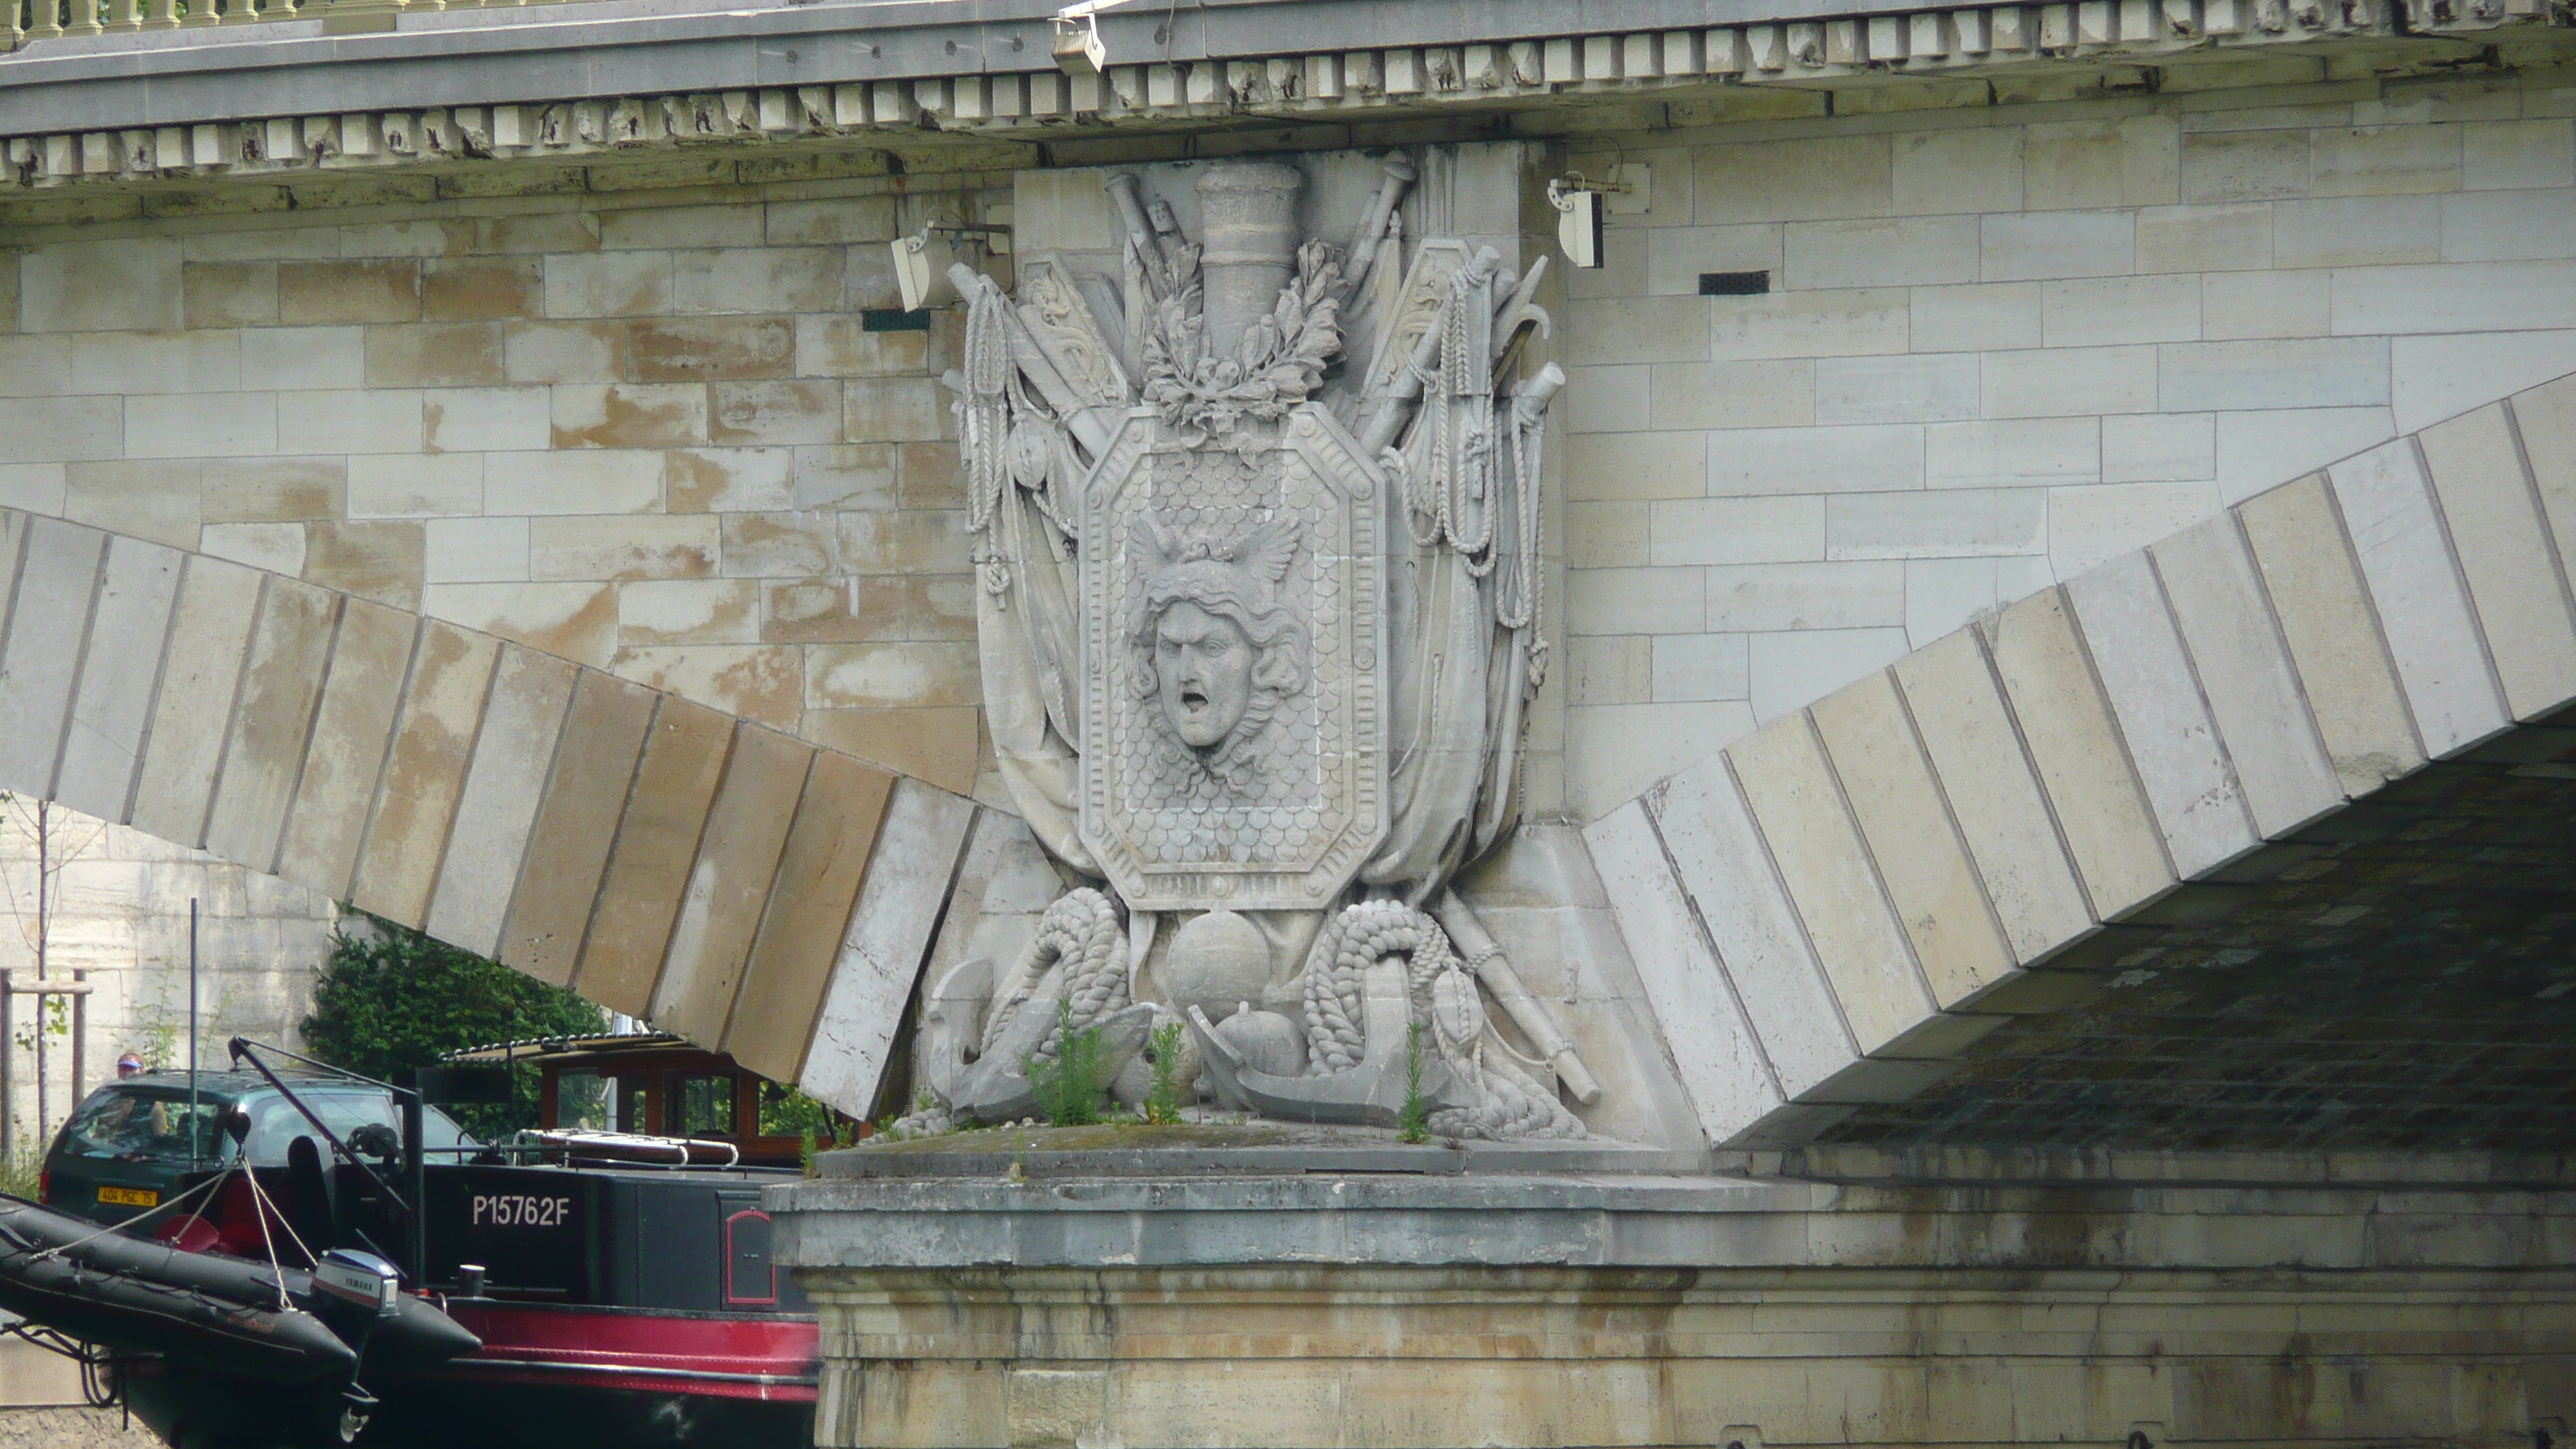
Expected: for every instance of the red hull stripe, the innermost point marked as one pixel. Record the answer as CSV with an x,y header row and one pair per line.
x,y
758,1358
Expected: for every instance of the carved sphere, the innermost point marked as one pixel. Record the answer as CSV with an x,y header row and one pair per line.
x,y
1217,962
1269,1042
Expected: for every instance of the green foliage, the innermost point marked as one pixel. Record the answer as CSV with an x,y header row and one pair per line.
x,y
1163,1102
1068,1089
21,1172
1413,1124
391,999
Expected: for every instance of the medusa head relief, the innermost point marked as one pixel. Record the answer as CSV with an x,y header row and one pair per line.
x,y
1213,649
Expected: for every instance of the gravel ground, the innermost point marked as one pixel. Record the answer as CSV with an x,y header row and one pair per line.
x,y
71,1429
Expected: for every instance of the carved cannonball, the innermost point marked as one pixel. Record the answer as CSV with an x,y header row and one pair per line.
x,y
1217,961
1268,1041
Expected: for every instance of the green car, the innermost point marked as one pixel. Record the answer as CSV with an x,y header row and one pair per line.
x,y
124,1152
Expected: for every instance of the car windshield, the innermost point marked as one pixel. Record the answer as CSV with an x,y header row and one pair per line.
x,y
149,1125
152,1124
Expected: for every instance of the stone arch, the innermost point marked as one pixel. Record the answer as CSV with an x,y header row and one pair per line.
x,y
1830,913
752,893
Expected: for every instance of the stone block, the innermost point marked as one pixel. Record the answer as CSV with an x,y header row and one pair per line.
x,y
2502,540
2013,453
58,430
936,745
472,289
2111,311
839,345
1909,832
711,349
1793,325
1631,466
1614,751
892,410
272,490
629,415
2416,588
2244,165
424,774
276,548
416,485
39,365
2233,376
840,611
1942,594
2264,304
2518,155
2131,161
157,500
1927,387
435,354
1797,460
890,675
384,421
776,412
730,480
1827,873
1677,255
1636,601
572,481
474,551
1937,523
2432,378
1714,1050
688,611
2455,297
629,546
909,876
378,560
1803,596
2262,450
1968,736
2224,238
2545,418
607,284
120,666
780,545
1881,252
130,362
2075,746
827,854
351,728
486,419
2370,231
764,683
40,660
1976,318
757,278
543,352
302,359
1686,667
1798,180
325,293
729,882
496,813
1794,668
576,621
2090,526
2316,592
912,541
833,222
1973,169
2068,382
681,226
272,722
199,425
2138,655
2043,244
209,634
89,285
568,842
2159,448
2384,160
1634,329
2273,749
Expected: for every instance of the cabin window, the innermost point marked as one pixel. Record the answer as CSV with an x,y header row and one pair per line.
x,y
749,1278
634,1107
586,1100
701,1105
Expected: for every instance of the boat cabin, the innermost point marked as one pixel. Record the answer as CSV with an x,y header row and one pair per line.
x,y
656,1085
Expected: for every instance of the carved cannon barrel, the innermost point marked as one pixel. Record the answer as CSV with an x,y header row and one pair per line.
x,y
1249,212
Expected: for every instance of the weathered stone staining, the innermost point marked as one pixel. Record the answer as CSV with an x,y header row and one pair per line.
x,y
1186,521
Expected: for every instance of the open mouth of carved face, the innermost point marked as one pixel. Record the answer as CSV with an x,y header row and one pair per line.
x,y
1193,698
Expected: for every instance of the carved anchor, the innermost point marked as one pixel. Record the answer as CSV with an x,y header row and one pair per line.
x,y
1371,1094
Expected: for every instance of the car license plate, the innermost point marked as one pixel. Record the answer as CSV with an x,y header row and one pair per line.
x,y
129,1196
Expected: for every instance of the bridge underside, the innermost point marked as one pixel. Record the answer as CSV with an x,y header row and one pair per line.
x,y
2398,977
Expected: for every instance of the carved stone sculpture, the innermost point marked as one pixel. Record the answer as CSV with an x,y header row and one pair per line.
x,y
1259,622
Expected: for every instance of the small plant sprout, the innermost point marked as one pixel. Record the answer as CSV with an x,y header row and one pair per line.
x,y
1413,1124
1163,1102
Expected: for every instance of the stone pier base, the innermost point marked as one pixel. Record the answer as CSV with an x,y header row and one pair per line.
x,y
1458,1309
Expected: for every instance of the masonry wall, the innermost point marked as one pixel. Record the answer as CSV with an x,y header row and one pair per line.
x,y
2001,345
648,431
